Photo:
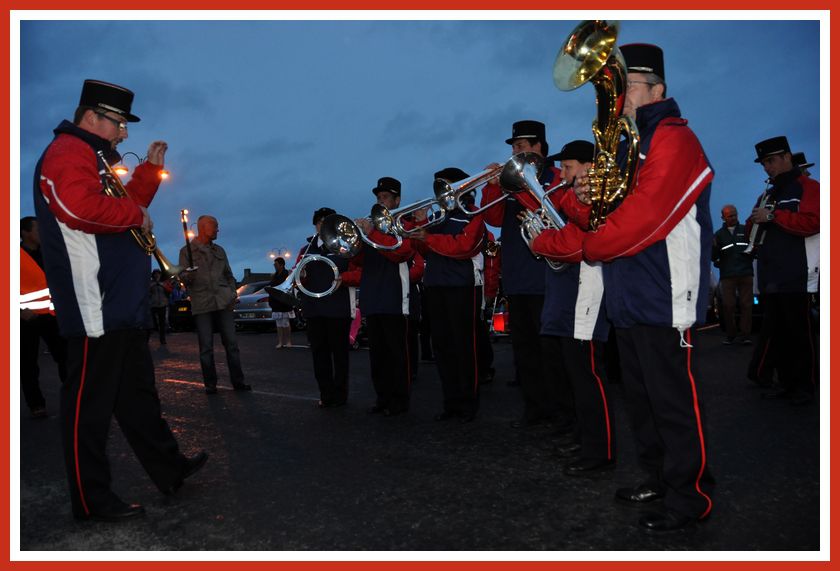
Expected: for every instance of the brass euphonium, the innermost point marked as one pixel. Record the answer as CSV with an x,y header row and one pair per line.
x,y
114,187
590,54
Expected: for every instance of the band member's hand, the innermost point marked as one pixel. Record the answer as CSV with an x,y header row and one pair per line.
x,y
27,314
582,190
496,179
420,235
157,150
147,223
761,215
364,225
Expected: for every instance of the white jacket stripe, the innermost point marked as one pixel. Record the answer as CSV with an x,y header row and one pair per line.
x,y
683,246
84,267
588,304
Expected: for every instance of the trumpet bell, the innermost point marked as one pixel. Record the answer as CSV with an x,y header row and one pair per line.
x,y
341,236
585,52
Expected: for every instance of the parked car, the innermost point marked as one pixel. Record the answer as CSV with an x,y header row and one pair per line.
x,y
252,310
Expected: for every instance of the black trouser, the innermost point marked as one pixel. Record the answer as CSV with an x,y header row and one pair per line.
x,y
454,342
584,365
329,340
413,346
159,322
425,327
389,363
786,343
31,332
663,403
482,336
112,375
538,391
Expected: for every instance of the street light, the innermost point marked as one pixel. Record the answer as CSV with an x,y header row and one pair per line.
x,y
122,170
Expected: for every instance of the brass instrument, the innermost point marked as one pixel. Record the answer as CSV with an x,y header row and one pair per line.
x,y
449,195
390,221
523,175
590,54
767,202
285,292
114,188
343,237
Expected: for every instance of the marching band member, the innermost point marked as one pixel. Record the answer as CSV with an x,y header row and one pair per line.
x,y
449,284
523,279
574,327
788,272
383,276
98,278
656,250
328,319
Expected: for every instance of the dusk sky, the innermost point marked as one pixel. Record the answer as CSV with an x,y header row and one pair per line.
x,y
269,120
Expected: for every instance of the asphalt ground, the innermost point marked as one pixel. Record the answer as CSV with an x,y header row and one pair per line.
x,y
284,475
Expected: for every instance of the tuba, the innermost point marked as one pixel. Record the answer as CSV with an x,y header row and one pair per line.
x,y
285,292
114,187
590,55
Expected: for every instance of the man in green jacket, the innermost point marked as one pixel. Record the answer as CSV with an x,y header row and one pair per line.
x,y
736,275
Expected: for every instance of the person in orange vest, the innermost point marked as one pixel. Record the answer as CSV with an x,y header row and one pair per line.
x,y
37,319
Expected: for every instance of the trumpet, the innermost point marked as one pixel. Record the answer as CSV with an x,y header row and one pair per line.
x,y
765,202
390,221
146,239
450,195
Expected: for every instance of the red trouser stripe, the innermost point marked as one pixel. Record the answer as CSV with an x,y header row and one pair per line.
x,y
76,429
603,399
699,428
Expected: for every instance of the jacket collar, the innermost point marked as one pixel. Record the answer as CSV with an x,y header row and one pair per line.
x,y
650,115
96,142
786,178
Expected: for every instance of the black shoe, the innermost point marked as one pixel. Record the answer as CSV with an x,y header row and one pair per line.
x,y
514,383
638,496
211,390
241,387
192,465
568,450
446,415
466,417
666,522
376,409
119,511
589,467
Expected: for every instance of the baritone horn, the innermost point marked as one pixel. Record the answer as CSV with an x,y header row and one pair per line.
x,y
146,239
590,54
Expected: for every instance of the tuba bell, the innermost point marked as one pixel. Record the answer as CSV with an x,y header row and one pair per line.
x,y
590,54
